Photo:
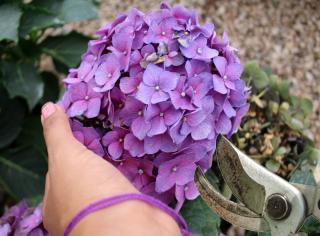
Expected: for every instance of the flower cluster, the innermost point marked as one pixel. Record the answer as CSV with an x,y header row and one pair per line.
x,y
21,220
152,94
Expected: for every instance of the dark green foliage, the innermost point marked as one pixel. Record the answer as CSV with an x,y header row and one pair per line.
x,y
24,88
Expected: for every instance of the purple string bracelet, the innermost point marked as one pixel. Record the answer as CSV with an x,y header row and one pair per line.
x,y
106,202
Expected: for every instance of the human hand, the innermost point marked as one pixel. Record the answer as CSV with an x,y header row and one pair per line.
x,y
77,177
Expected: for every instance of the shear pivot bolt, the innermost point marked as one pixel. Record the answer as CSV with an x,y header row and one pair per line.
x,y
277,207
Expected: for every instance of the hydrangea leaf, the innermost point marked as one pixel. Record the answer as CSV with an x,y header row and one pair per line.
x,y
66,49
200,218
9,21
264,234
22,80
12,113
32,135
22,173
51,87
311,226
253,72
303,177
44,14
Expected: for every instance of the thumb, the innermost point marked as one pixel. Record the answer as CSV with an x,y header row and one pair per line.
x,y
56,128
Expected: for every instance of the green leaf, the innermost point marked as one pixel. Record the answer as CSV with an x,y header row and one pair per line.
x,y
253,73
31,135
280,151
22,80
200,218
22,173
273,165
9,21
51,87
66,49
12,113
50,13
264,234
303,177
311,226
306,105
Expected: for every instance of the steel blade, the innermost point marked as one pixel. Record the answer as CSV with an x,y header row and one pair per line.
x,y
248,191
230,211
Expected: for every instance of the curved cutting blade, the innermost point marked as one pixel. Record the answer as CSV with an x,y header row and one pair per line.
x,y
230,211
231,161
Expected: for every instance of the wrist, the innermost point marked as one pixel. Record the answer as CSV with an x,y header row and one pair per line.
x,y
133,217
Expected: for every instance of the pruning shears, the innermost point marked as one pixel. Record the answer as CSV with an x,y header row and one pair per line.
x,y
267,203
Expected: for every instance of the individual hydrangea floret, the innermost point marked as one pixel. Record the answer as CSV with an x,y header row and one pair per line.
x,y
21,220
152,94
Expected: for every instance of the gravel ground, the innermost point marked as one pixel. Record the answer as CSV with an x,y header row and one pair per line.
x,y
283,35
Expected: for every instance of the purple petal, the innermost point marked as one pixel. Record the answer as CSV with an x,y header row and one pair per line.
x,y
228,109
221,65
157,126
196,117
218,85
234,71
93,107
144,93
110,137
77,91
152,144
115,150
171,116
159,96
151,75
140,128
77,108
129,85
223,125
168,80
133,145
167,144
202,131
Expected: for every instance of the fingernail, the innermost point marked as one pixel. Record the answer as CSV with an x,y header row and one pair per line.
x,y
48,109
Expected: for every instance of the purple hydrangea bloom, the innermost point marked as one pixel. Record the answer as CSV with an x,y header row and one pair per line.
x,y
88,136
138,171
113,140
161,116
153,92
107,73
188,191
150,95
198,49
21,220
84,101
156,84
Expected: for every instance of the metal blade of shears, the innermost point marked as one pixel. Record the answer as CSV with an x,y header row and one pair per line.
x,y
248,191
230,211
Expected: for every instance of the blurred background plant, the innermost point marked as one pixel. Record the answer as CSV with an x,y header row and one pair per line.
x,y
26,38
275,133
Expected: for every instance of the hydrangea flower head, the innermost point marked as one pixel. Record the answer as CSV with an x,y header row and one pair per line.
x,y
152,93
